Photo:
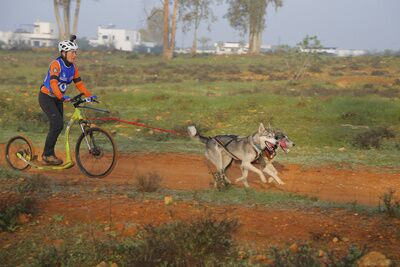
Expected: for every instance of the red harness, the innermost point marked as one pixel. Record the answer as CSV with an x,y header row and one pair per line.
x,y
270,154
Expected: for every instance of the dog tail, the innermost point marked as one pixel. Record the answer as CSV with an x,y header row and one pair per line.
x,y
192,131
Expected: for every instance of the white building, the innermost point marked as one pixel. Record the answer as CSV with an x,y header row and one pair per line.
x,y
321,50
231,48
43,34
350,52
120,39
334,51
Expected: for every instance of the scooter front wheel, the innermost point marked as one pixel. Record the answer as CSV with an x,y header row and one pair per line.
x,y
96,153
19,150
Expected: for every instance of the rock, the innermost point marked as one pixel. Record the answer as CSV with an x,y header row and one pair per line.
x,y
102,264
335,240
261,259
168,200
58,243
374,259
24,218
294,248
342,149
119,226
242,254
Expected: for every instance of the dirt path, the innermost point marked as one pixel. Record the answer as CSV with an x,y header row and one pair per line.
x,y
259,226
186,171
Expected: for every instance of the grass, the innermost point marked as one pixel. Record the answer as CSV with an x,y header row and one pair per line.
x,y
221,95
201,242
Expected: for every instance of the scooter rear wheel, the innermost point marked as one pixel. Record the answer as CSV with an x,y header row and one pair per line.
x,y
22,146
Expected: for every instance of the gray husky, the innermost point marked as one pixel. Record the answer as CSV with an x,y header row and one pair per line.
x,y
221,150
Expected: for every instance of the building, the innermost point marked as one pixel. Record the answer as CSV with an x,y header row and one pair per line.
x,y
231,48
350,52
39,34
322,50
334,51
120,39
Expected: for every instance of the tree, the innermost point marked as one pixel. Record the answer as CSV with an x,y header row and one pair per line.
x,y
56,4
169,35
76,16
192,13
204,41
248,16
303,58
154,27
64,25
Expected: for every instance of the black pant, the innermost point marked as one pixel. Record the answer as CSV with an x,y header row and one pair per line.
x,y
54,111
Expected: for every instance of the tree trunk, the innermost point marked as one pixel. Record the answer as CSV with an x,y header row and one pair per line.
x,y
194,45
166,33
58,19
66,4
257,48
252,42
76,16
173,30
169,41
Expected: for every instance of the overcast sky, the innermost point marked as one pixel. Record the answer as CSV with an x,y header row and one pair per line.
x,y
353,24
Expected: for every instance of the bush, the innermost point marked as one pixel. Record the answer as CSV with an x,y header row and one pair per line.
x,y
378,73
11,207
204,242
148,183
305,256
391,204
372,138
35,183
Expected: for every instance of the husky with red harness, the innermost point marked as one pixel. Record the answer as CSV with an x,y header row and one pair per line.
x,y
221,150
284,143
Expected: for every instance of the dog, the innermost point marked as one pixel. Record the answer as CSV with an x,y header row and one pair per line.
x,y
222,150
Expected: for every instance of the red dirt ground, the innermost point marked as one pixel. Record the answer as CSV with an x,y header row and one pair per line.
x,y
188,172
259,226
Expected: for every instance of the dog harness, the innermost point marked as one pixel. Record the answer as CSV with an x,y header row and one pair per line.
x,y
257,149
224,147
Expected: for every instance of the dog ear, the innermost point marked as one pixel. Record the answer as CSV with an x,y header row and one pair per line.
x,y
261,128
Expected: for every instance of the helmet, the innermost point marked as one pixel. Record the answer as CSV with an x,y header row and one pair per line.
x,y
67,46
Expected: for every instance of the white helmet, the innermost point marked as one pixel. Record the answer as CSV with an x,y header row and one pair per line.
x,y
67,46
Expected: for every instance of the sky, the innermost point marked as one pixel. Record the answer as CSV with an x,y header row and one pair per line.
x,y
348,24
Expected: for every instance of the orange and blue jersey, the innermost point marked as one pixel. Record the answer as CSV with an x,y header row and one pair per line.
x,y
59,76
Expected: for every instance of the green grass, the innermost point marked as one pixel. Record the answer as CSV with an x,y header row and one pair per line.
x,y
219,95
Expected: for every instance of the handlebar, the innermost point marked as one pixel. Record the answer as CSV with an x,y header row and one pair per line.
x,y
77,100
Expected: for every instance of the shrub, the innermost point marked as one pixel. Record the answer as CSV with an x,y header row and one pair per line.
x,y
203,242
9,174
148,183
372,138
11,207
257,69
353,254
378,73
305,256
49,256
35,183
391,204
